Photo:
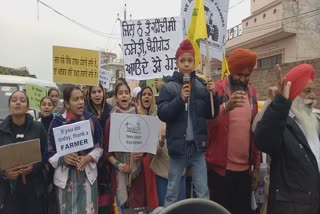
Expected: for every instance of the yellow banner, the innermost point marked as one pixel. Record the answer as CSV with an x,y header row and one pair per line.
x,y
197,28
224,68
35,94
75,66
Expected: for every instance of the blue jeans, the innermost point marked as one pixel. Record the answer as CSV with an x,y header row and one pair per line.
x,y
162,184
197,162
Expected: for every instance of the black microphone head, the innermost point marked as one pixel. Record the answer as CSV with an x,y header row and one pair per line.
x,y
186,79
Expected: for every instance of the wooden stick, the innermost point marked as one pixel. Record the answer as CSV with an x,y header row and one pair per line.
x,y
207,59
209,76
130,174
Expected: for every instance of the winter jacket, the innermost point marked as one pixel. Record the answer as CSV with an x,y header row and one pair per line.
x,y
32,196
171,110
217,152
294,175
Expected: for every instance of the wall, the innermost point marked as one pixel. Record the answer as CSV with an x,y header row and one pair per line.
x,y
256,25
286,47
258,4
262,79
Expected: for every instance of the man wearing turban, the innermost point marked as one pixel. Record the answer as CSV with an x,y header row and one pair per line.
x,y
232,154
289,133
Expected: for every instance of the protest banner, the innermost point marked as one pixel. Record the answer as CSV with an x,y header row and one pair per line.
x,y
15,154
134,133
75,66
216,18
35,94
104,78
73,137
149,47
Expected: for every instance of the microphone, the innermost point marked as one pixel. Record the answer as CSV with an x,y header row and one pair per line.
x,y
186,80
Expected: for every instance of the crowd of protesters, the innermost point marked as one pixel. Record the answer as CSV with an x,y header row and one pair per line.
x,y
220,145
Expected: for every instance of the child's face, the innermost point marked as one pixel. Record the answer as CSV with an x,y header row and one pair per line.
x,y
185,63
123,97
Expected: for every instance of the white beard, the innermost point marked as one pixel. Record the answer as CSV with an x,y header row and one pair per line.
x,y
306,118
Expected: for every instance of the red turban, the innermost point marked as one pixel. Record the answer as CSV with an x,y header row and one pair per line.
x,y
241,59
185,47
299,77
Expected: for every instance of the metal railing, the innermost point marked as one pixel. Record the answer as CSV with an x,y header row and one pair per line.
x,y
234,32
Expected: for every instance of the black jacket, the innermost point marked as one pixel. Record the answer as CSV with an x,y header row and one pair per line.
x,y
171,110
29,197
294,175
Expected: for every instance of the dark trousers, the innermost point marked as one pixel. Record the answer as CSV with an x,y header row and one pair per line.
x,y
232,191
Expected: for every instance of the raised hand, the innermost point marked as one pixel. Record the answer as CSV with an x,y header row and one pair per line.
x,y
283,86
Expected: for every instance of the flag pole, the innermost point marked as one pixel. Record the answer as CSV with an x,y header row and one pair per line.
x,y
209,76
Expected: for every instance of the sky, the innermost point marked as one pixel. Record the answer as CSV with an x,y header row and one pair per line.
x,y
28,30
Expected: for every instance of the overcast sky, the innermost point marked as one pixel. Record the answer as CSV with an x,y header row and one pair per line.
x,y
27,41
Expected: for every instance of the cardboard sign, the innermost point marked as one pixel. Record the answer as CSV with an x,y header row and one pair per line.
x,y
73,137
35,94
75,66
134,133
104,78
15,154
149,47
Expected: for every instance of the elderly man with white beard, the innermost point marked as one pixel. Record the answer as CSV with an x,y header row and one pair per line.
x,y
289,133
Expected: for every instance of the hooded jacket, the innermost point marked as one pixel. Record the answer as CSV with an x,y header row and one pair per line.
x,y
171,110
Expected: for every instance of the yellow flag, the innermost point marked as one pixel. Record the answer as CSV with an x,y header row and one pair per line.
x,y
197,29
224,69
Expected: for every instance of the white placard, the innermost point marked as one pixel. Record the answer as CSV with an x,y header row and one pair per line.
x,y
216,16
73,137
104,78
134,133
149,47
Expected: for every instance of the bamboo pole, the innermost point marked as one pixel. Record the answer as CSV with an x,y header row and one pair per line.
x,y
209,76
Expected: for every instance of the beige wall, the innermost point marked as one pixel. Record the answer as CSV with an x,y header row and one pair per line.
x,y
308,45
306,25
265,19
286,47
253,30
296,37
258,4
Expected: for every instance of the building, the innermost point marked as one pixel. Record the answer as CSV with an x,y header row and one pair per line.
x,y
110,62
279,31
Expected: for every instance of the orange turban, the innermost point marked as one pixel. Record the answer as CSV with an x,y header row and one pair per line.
x,y
241,59
299,77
